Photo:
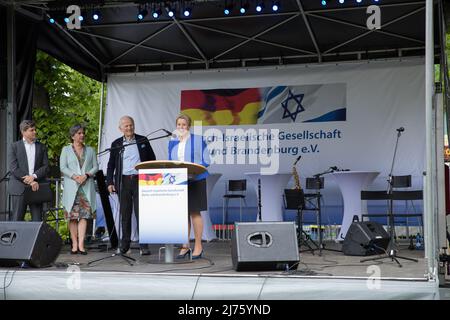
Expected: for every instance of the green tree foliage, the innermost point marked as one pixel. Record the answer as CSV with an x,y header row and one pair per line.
x,y
73,98
437,70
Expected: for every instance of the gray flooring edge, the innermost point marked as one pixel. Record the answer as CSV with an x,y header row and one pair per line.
x,y
78,285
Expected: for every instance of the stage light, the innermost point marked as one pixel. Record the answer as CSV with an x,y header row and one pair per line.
x,y
170,12
260,7
275,6
66,20
243,8
324,2
341,1
228,8
359,1
156,13
142,13
187,12
80,18
51,20
96,15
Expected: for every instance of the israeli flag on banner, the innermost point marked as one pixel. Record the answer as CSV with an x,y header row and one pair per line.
x,y
306,103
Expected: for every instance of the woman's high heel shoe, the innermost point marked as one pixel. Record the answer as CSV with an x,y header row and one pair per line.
x,y
198,256
187,253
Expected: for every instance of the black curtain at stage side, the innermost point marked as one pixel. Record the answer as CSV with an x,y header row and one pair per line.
x,y
3,85
26,37
59,45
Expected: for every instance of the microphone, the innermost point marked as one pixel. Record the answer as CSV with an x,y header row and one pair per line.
x,y
173,135
166,131
297,160
401,129
334,168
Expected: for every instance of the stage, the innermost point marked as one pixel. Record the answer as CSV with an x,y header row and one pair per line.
x,y
329,276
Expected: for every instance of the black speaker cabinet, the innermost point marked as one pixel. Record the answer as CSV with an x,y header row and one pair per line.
x,y
264,246
36,243
365,238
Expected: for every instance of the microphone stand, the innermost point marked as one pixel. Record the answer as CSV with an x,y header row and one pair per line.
x,y
329,170
5,177
121,149
319,210
259,200
101,153
391,252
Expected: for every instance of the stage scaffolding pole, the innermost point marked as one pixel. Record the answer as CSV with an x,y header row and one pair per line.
x,y
430,179
100,118
100,121
11,106
441,237
8,107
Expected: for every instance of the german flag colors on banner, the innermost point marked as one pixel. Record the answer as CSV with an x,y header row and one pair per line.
x,y
279,104
150,179
223,106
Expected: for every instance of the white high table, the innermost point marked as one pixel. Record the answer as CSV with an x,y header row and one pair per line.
x,y
272,189
351,183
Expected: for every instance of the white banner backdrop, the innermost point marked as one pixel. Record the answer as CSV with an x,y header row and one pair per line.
x,y
381,96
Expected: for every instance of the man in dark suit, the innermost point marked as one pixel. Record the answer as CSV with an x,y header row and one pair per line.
x,y
28,162
122,177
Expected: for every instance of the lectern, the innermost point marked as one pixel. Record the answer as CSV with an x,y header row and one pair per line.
x,y
163,202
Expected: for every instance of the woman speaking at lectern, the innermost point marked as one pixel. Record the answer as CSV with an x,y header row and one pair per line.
x,y
191,148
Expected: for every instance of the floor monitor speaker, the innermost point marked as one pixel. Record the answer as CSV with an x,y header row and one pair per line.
x,y
264,246
365,238
36,243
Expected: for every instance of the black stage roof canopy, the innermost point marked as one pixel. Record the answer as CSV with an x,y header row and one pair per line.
x,y
301,31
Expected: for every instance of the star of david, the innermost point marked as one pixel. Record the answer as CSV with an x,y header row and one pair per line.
x,y
171,179
294,100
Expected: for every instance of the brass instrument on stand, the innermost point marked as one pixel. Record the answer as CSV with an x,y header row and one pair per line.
x,y
297,185
295,199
